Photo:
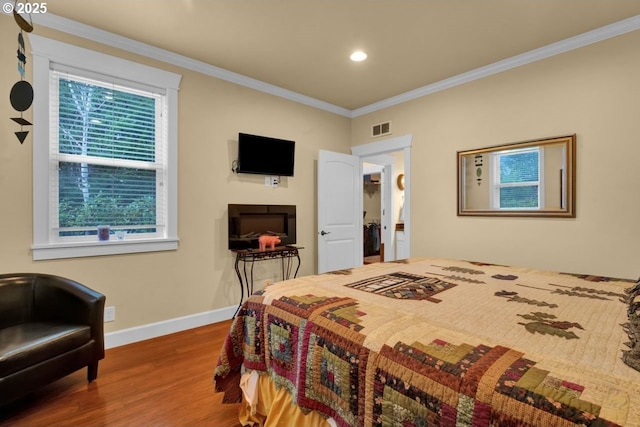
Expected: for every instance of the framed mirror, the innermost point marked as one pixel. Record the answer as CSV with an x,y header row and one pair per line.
x,y
525,179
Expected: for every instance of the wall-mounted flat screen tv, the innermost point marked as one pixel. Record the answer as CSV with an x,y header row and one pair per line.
x,y
264,155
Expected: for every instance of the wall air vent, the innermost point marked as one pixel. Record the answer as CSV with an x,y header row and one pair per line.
x,y
381,129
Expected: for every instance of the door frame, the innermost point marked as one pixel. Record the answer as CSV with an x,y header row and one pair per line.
x,y
385,146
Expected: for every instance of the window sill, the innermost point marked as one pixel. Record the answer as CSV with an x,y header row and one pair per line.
x,y
112,247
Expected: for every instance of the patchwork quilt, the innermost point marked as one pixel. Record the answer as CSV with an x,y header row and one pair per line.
x,y
436,342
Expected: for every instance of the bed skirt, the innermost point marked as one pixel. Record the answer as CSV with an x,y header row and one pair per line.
x,y
265,405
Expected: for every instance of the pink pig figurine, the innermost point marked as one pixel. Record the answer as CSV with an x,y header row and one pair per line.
x,y
268,241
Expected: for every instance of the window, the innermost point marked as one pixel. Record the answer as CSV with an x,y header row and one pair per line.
x,y
109,150
105,145
516,180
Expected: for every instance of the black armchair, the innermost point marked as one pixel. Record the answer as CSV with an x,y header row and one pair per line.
x,y
49,327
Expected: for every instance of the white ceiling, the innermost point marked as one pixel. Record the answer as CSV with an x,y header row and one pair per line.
x,y
304,45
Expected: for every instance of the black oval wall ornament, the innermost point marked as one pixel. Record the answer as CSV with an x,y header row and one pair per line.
x,y
21,95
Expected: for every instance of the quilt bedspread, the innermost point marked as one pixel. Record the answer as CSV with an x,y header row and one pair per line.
x,y
436,342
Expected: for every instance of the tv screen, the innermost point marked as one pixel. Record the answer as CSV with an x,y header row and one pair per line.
x,y
248,222
264,155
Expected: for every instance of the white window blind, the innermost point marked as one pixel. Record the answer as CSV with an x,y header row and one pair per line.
x,y
108,151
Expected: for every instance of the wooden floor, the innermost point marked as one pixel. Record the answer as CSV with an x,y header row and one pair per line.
x,y
371,259
166,381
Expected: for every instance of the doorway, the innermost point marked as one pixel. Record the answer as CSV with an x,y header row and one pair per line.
x,y
395,155
373,212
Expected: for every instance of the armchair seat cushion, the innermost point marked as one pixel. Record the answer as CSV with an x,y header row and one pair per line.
x,y
27,344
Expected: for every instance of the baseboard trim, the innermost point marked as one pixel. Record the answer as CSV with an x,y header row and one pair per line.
x,y
158,329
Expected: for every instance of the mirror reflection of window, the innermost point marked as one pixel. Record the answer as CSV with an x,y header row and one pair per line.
x,y
516,181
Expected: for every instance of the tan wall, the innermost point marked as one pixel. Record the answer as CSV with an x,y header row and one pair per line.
x,y
199,276
593,92
398,195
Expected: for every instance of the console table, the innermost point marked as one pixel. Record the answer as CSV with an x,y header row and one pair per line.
x,y
249,256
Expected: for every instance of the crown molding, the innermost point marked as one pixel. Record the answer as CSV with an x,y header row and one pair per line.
x,y
590,37
91,33
78,29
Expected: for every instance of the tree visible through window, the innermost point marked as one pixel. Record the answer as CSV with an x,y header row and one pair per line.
x,y
516,179
109,163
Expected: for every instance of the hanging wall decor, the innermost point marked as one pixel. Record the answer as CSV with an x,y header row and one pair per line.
x,y
478,163
21,96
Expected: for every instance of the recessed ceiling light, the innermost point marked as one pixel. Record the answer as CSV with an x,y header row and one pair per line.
x,y
358,56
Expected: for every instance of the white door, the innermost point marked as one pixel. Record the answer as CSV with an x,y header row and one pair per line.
x,y
339,211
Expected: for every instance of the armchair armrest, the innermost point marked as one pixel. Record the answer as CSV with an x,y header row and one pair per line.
x,y
59,299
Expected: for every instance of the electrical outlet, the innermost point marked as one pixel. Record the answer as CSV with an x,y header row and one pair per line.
x,y
109,314
274,181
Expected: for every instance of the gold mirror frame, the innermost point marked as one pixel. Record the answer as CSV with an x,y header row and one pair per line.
x,y
478,193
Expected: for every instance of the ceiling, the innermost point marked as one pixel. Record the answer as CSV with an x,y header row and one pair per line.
x,y
304,45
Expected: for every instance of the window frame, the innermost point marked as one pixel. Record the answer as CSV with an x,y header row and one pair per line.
x,y
46,53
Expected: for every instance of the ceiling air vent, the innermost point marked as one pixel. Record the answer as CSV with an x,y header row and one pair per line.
x,y
381,129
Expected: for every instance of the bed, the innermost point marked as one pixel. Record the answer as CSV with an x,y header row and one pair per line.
x,y
436,342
